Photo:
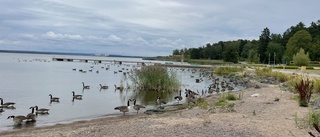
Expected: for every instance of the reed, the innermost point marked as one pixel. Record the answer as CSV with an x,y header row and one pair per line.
x,y
155,78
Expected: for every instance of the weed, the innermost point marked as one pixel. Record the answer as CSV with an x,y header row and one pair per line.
x,y
304,88
231,97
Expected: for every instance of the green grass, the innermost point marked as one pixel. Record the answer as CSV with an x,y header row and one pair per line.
x,y
268,72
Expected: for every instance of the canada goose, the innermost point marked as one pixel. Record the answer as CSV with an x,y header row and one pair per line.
x,y
1,110
76,96
103,87
124,109
178,98
137,106
17,119
160,101
31,116
190,99
119,88
85,86
190,95
41,110
53,99
7,104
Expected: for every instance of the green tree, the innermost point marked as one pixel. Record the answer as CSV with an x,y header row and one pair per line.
x,y
276,38
253,56
264,40
315,50
301,39
301,58
276,52
217,51
176,52
230,54
291,31
247,47
195,53
314,29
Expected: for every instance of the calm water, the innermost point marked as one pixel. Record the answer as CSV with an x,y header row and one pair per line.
x,y
28,79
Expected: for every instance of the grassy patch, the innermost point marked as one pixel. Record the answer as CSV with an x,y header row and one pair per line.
x,y
269,73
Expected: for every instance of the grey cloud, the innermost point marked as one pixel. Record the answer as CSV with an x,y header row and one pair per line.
x,y
142,27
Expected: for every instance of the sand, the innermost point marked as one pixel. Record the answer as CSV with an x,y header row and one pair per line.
x,y
259,116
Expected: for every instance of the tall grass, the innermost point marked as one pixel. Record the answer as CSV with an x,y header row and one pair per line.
x,y
155,78
268,72
317,86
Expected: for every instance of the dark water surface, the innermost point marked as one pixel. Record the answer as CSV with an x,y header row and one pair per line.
x,y
28,79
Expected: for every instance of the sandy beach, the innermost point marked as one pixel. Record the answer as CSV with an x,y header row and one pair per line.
x,y
259,116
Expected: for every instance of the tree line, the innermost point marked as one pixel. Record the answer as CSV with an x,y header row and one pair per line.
x,y
268,48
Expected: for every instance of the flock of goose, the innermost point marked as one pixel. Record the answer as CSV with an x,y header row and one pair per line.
x,y
18,119
190,97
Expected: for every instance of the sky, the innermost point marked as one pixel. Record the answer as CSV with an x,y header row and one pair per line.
x,y
143,27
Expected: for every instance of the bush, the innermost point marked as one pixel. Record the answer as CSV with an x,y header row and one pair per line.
x,y
301,59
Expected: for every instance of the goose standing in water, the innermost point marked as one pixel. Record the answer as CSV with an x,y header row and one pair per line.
x,y
118,88
53,99
31,116
85,86
41,110
76,96
17,119
124,109
137,106
103,87
7,104
178,98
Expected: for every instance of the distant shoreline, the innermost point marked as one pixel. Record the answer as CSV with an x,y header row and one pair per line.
x,y
66,53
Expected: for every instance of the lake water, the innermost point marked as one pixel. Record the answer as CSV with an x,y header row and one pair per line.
x,y
28,79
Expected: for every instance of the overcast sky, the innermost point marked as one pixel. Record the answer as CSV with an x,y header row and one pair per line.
x,y
143,27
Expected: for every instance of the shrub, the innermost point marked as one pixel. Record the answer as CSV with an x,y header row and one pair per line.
x,y
301,59
304,88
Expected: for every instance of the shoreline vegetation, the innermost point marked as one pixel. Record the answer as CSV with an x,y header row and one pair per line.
x,y
252,116
263,109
